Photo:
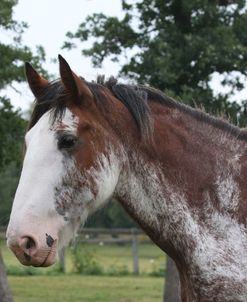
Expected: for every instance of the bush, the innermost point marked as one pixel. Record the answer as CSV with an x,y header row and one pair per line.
x,y
85,263
118,271
157,270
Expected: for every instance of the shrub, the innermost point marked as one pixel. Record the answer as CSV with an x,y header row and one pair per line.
x,y
157,270
118,271
85,263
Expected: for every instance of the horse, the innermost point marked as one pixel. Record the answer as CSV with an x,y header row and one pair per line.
x,y
179,173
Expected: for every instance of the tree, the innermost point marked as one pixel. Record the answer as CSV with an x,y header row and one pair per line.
x,y
13,54
176,46
12,129
12,125
111,216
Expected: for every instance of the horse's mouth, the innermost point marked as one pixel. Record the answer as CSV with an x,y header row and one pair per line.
x,y
51,258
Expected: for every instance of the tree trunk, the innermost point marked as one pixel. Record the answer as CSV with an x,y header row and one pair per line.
x,y
172,285
5,294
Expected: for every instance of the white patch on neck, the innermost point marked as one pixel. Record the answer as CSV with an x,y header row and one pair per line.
x,y
228,169
214,249
143,194
228,192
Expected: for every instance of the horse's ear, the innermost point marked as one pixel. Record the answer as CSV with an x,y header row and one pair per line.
x,y
75,86
36,82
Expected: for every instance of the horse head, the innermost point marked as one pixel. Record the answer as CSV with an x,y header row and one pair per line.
x,y
71,167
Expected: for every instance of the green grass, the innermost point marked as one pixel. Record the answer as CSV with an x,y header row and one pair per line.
x,y
73,288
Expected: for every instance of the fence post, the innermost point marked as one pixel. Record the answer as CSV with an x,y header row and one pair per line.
x,y
135,252
61,256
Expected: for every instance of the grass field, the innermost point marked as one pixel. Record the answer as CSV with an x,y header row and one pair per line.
x,y
71,288
49,286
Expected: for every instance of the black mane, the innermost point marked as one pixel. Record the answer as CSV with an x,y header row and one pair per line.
x,y
134,97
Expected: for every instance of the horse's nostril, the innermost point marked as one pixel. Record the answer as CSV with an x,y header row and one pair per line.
x,y
30,244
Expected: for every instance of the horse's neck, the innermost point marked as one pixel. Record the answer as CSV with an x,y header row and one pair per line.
x,y
188,205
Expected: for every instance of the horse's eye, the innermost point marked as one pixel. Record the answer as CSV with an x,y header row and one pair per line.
x,y
66,141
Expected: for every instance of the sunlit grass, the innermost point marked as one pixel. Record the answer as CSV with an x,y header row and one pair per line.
x,y
74,288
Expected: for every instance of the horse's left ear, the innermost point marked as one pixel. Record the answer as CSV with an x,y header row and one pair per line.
x,y
75,86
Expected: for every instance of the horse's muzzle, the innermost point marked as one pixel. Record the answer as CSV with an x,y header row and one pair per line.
x,y
29,252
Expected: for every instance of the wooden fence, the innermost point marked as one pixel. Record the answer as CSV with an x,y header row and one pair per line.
x,y
106,236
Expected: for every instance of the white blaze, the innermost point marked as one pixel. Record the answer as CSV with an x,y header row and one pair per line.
x,y
33,207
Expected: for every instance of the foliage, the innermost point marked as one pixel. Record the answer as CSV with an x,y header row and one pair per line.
x,y
12,129
157,270
111,216
12,52
118,270
85,263
176,46
9,177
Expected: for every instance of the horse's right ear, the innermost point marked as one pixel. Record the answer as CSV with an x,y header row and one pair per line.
x,y
36,82
73,84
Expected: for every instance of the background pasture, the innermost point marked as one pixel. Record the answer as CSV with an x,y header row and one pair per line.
x,y
106,274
